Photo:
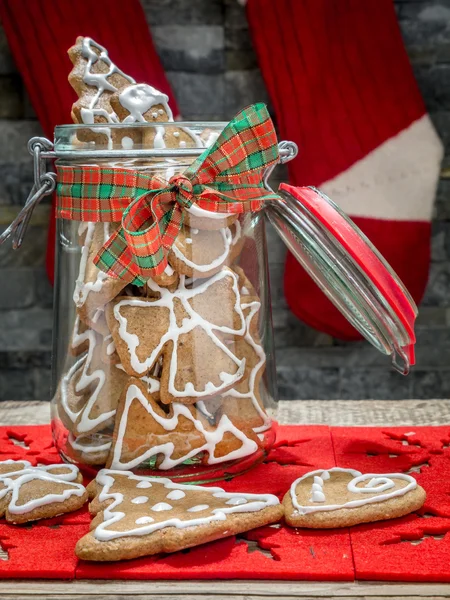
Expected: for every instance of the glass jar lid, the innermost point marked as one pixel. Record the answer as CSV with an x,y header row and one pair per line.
x,y
348,269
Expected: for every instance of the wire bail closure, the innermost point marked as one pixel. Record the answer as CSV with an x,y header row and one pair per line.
x,y
44,185
42,151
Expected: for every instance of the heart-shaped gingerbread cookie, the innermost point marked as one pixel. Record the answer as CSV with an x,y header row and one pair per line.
x,y
343,497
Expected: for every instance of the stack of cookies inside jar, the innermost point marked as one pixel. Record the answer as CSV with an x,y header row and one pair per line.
x,y
169,374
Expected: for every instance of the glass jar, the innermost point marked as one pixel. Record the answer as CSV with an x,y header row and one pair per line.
x,y
176,377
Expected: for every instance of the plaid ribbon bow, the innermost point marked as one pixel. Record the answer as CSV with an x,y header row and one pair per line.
x,y
226,178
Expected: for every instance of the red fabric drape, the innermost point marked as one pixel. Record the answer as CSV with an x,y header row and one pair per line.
x,y
39,33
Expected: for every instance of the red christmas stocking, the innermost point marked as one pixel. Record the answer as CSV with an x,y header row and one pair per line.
x,y
40,32
343,90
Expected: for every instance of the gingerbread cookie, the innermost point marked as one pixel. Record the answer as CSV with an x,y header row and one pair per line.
x,y
344,497
202,253
108,352
168,278
184,328
29,493
140,516
90,390
246,288
142,103
145,432
196,217
79,343
95,78
243,403
93,287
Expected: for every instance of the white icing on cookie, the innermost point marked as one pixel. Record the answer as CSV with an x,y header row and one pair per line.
x,y
89,383
144,485
95,446
127,143
139,99
140,500
198,508
144,520
236,501
201,406
153,384
175,495
212,437
110,347
113,513
267,423
84,288
211,139
197,211
376,484
100,81
162,506
227,240
174,331
14,480
317,496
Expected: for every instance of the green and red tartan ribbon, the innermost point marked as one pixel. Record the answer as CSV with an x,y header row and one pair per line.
x,y
226,178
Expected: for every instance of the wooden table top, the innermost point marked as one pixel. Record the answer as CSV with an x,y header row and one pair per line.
x,y
329,412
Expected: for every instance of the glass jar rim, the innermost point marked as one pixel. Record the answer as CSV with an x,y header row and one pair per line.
x,y
74,127
65,148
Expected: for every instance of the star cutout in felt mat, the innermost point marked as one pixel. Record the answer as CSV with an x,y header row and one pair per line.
x,y
414,548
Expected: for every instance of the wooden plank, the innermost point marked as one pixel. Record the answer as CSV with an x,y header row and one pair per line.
x,y
24,413
218,590
328,412
365,412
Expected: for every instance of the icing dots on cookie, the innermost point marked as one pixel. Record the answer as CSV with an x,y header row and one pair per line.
x,y
198,508
175,495
144,485
162,506
124,530
144,520
140,500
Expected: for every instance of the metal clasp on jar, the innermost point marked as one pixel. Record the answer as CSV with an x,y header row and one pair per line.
x,y
45,181
44,185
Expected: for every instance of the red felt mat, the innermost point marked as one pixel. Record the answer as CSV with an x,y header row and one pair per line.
x,y
414,548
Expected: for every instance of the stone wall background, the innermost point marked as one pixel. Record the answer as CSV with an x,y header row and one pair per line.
x,y
206,50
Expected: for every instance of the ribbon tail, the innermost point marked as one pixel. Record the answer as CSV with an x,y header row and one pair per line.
x,y
116,259
138,249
